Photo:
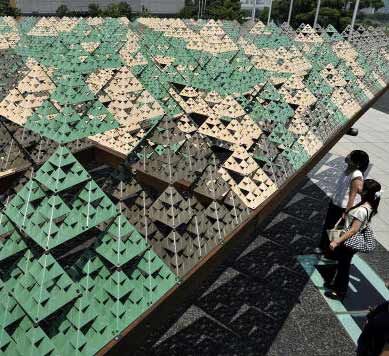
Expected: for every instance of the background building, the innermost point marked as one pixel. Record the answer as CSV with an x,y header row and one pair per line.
x,y
50,6
385,9
248,4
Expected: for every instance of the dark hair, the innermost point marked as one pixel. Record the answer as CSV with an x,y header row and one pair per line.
x,y
370,188
360,159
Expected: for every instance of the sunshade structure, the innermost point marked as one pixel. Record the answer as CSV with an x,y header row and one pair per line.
x,y
219,115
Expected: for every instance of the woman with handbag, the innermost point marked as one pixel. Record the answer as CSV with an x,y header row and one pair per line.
x,y
357,237
348,188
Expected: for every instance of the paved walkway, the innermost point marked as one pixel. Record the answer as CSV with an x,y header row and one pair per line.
x,y
260,301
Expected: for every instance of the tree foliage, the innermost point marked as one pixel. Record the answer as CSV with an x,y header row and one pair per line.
x,y
225,10
215,9
7,10
145,12
368,3
62,11
189,10
122,9
94,10
335,12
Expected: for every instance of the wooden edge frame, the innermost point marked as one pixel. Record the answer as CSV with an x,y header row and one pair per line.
x,y
122,343
108,150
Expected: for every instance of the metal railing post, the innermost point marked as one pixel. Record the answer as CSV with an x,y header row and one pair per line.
x,y
356,7
290,11
253,10
269,15
317,13
204,6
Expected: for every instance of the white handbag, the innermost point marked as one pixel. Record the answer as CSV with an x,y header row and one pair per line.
x,y
335,233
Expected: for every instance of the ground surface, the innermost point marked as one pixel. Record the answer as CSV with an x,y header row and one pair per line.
x,y
260,301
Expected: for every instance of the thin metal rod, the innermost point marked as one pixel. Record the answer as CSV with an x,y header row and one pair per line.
x,y
253,10
317,13
202,9
269,15
356,7
290,11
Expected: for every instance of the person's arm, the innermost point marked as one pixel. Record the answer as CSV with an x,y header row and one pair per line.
x,y
356,187
355,226
382,308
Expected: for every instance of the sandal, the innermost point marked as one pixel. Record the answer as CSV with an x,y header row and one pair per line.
x,y
335,295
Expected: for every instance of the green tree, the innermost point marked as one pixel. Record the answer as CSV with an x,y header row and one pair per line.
x,y
369,3
145,12
122,9
188,11
7,10
125,9
263,15
225,10
62,11
334,12
214,9
94,10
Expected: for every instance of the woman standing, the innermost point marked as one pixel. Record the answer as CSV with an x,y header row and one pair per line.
x,y
348,189
357,219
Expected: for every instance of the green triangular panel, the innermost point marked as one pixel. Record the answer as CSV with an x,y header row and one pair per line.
x,y
61,171
90,208
43,211
45,226
112,298
31,337
11,242
20,208
158,277
71,90
69,125
269,92
10,311
121,242
41,286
